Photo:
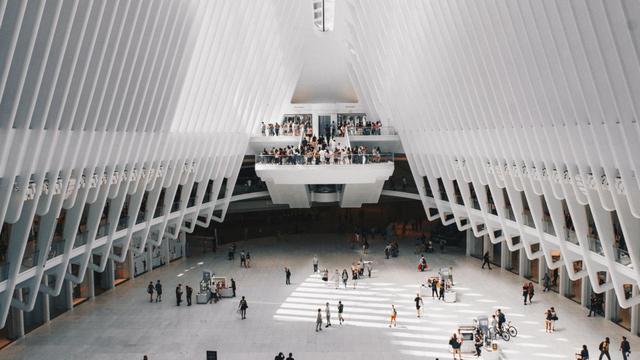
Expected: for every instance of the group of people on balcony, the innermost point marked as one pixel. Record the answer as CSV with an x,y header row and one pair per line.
x,y
291,127
320,152
303,127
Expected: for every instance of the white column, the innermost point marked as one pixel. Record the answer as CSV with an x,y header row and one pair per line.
x,y
46,315
18,317
525,268
505,257
470,241
68,289
564,283
91,283
635,315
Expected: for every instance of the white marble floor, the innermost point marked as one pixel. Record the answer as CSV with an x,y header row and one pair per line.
x,y
122,324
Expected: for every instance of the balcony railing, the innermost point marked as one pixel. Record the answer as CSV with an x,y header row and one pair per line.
x,y
353,159
371,130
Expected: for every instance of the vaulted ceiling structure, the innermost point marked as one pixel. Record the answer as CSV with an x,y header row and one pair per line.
x,y
529,106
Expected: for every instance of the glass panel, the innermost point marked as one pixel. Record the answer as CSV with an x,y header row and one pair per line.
x,y
314,159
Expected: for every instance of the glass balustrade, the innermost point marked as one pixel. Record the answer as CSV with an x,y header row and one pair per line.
x,y
371,130
622,256
595,245
353,159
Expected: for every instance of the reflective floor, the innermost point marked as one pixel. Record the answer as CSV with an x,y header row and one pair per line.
x,y
122,324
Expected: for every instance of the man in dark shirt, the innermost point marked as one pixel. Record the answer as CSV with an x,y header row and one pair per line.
x,y
189,293
485,260
158,291
625,347
418,301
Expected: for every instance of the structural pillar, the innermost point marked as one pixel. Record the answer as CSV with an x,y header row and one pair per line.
x,y
18,318
635,313
564,283
585,296
91,283
505,257
46,314
68,290
525,269
470,242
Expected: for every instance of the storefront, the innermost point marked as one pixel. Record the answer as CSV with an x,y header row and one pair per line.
x,y
574,292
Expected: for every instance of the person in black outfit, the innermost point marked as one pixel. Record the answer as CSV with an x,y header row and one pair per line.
x,y
593,305
485,260
178,294
189,293
233,287
243,308
150,291
625,347
158,291
442,286
290,357
604,349
280,356
287,274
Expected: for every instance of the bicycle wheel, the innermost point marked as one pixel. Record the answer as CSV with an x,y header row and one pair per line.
x,y
513,331
505,336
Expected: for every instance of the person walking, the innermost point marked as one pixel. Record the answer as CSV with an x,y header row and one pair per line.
x,y
554,318
345,277
393,317
369,268
336,278
530,291
280,356
189,290
315,263
604,349
547,321
319,320
419,303
248,260
158,291
625,348
441,289
328,314
233,287
290,357
525,292
242,306
354,277
243,259
485,260
178,294
287,275
340,311
456,344
150,289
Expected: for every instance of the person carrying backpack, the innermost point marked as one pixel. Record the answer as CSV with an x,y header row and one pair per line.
x,y
604,349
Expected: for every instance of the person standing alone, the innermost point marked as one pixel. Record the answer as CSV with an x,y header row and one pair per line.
x,y
418,301
340,310
315,263
485,260
287,274
243,308
394,316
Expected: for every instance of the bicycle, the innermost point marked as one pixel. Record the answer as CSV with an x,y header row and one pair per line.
x,y
510,329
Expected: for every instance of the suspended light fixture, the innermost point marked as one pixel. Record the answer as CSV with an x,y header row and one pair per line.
x,y
324,12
